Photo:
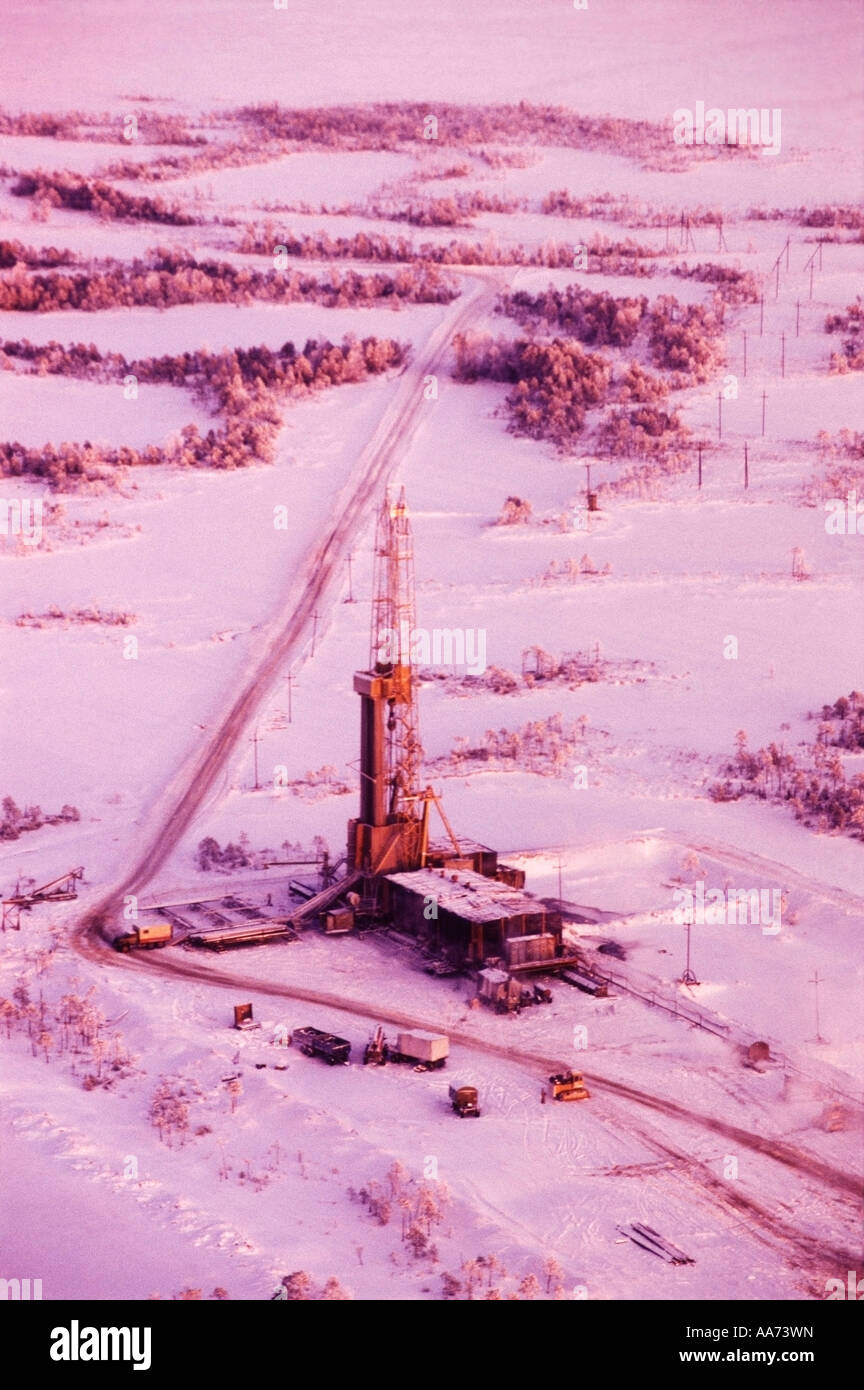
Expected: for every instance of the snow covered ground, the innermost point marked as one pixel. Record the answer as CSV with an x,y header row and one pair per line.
x,y
671,1135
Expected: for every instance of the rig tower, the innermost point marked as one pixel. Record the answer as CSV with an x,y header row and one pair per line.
x,y
391,832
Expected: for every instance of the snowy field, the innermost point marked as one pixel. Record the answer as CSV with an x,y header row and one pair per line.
x,y
755,1174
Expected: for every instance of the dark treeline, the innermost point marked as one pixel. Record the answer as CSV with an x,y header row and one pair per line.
x,y
851,321
383,126
14,253
812,782
94,195
734,286
595,318
850,218
603,255
682,338
553,384
16,821
169,278
622,207
842,723
153,128
245,386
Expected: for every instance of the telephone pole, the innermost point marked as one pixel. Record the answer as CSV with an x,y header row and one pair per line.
x,y
816,981
688,978
255,741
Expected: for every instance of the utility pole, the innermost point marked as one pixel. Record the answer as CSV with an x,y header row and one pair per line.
x,y
290,679
255,740
688,978
764,399
699,450
350,598
761,313
560,890
811,279
797,317
782,354
745,352
816,981
721,239
314,630
746,467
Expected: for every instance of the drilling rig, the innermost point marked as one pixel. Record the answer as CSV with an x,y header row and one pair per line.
x,y
391,832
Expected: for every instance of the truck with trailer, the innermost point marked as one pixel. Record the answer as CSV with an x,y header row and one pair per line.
x,y
421,1050
425,1051
145,937
313,1042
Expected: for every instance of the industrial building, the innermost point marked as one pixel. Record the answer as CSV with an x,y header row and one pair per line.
x,y
470,918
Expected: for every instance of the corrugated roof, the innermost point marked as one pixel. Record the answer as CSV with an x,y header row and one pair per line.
x,y
472,896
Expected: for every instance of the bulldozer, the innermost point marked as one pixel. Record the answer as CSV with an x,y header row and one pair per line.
x,y
568,1085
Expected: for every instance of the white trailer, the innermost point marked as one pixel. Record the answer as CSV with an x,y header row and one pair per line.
x,y
425,1050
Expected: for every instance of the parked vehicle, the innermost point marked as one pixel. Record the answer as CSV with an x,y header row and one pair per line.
x,y
425,1051
463,1099
316,1043
377,1051
145,938
568,1085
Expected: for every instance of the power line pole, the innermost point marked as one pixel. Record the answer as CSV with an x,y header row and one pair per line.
x,y
290,679
797,318
816,982
688,978
761,313
699,449
350,598
745,352
719,414
314,630
255,741
746,467
764,399
782,354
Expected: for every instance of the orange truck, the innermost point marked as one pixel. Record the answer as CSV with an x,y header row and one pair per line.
x,y
146,937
